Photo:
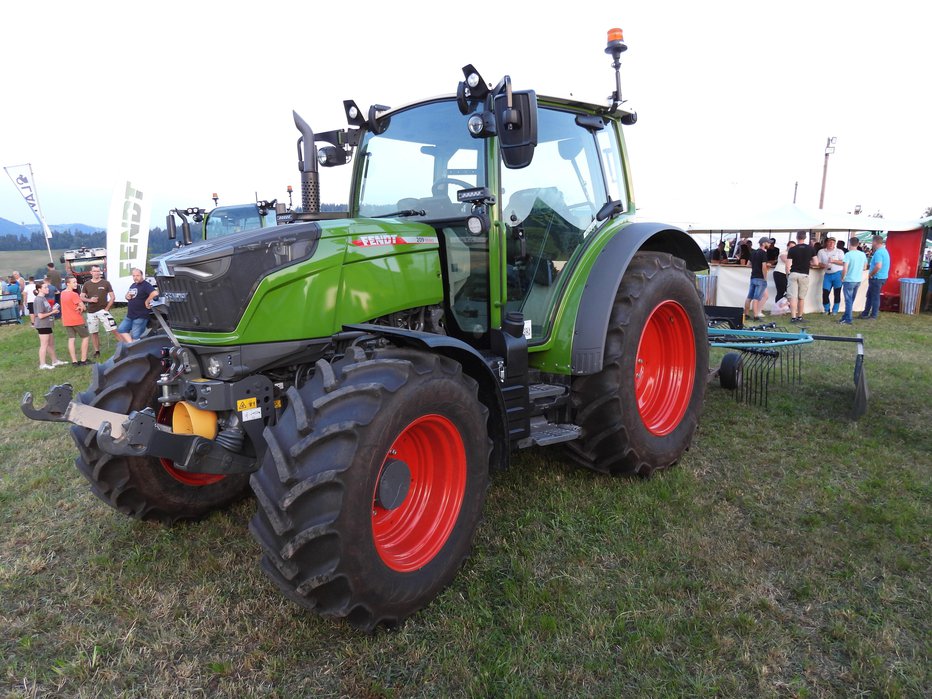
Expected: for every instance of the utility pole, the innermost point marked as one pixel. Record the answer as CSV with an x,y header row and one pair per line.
x,y
795,188
829,149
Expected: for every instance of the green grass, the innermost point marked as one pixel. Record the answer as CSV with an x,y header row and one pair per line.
x,y
788,554
28,262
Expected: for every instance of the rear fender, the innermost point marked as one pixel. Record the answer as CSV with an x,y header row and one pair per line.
x,y
595,306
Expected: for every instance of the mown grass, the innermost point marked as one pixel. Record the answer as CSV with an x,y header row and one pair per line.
x,y
28,262
788,554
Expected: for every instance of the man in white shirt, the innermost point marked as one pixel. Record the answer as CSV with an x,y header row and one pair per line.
x,y
831,260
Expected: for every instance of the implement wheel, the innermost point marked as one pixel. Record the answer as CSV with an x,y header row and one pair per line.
x,y
731,371
373,485
140,486
638,414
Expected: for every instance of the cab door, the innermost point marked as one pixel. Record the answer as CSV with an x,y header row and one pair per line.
x,y
549,209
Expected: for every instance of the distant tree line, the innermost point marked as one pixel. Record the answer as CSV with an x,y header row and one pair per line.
x,y
68,240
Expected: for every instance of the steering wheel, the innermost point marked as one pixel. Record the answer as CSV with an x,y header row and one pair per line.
x,y
438,188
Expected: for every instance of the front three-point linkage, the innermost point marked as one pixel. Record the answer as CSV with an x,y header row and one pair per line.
x,y
138,434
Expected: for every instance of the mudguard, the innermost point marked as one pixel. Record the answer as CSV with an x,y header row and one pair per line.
x,y
474,364
599,295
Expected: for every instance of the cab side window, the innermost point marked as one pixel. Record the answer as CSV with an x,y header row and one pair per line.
x,y
548,206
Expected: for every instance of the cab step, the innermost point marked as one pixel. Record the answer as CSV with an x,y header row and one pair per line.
x,y
544,396
544,434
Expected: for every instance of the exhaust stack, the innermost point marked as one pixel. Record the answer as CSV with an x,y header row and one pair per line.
x,y
307,166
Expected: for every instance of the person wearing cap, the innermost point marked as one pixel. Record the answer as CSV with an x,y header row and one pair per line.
x,y
831,259
877,277
757,291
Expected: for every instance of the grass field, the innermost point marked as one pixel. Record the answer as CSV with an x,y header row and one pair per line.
x,y
27,262
788,554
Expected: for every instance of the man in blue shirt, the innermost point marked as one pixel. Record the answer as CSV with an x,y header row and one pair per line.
x,y
879,271
853,267
139,301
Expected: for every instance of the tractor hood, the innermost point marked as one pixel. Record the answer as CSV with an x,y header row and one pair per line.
x,y
207,285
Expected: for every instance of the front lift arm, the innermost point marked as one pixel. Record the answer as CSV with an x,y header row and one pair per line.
x,y
138,434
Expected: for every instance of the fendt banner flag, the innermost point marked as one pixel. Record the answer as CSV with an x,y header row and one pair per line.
x,y
25,183
127,236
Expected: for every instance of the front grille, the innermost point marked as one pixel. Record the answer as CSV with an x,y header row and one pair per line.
x,y
208,285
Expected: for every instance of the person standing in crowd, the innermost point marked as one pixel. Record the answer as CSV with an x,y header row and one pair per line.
x,y
719,254
139,301
22,292
98,296
877,277
853,266
800,258
29,296
72,310
45,312
54,277
830,259
780,271
757,291
744,252
11,289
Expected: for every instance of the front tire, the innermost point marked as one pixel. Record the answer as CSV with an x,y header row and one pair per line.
x,y
373,485
139,486
639,413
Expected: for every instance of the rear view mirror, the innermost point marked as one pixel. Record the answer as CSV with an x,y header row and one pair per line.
x,y
517,127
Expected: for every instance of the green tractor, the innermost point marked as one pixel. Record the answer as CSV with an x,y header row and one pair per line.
x,y
221,220
364,372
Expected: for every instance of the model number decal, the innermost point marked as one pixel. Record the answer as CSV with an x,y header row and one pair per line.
x,y
383,239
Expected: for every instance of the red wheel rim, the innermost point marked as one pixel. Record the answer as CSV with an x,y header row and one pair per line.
x,y
408,537
165,418
666,368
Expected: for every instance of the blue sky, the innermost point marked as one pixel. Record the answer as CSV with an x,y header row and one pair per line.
x,y
735,99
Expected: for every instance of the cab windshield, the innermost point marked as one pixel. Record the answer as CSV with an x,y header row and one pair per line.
x,y
232,219
419,163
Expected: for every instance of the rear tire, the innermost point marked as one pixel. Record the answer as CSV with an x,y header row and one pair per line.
x,y
139,486
373,485
638,414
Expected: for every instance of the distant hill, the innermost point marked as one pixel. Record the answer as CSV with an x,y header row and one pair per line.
x,y
10,228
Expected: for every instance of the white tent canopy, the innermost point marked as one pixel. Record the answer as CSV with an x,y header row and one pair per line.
x,y
794,218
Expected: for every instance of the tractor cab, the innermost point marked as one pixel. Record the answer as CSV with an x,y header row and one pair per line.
x,y
433,163
220,221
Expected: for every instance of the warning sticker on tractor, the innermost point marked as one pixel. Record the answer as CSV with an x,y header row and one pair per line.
x,y
253,414
246,404
382,239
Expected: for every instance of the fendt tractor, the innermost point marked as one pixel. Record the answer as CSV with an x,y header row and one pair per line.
x,y
364,371
221,220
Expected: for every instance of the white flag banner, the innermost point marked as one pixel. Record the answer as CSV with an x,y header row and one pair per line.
x,y
24,182
127,236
